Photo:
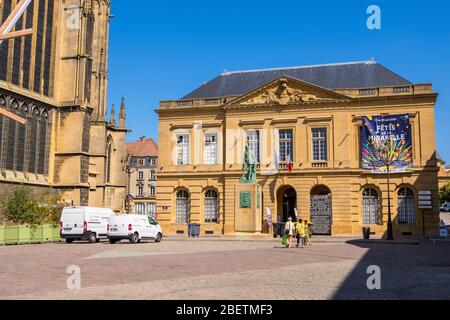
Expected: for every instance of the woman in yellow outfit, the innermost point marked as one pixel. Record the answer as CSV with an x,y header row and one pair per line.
x,y
308,230
300,228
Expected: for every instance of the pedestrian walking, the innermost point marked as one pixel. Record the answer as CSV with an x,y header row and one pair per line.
x,y
300,228
289,231
310,232
307,233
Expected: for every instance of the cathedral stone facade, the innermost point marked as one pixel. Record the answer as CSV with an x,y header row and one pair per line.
x,y
54,131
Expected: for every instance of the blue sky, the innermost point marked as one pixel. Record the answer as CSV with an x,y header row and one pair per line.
x,y
161,50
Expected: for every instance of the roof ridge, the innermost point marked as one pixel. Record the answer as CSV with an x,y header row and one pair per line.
x,y
141,140
372,61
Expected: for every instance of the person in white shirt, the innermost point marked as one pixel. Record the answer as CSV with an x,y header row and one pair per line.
x,y
289,230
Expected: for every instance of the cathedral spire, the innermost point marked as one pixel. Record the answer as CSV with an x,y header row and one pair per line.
x,y
122,115
112,120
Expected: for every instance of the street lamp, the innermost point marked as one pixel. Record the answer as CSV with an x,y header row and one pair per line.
x,y
388,156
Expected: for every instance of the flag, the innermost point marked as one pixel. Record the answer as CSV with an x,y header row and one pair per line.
x,y
290,165
269,217
276,152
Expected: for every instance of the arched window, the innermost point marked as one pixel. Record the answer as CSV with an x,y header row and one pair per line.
x,y
371,213
36,112
182,207
25,109
211,207
15,106
405,205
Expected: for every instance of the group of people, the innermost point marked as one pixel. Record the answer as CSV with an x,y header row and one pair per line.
x,y
301,229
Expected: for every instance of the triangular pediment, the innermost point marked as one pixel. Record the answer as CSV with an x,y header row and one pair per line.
x,y
288,91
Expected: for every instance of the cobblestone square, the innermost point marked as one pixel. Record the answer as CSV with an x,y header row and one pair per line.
x,y
217,269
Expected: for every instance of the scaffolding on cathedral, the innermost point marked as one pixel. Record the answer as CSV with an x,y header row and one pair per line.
x,y
10,22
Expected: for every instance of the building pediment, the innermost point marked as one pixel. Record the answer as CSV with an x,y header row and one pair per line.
x,y
287,91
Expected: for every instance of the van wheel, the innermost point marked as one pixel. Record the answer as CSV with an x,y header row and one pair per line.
x,y
92,238
134,238
158,237
112,241
69,240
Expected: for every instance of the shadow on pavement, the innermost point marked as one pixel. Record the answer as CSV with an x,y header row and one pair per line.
x,y
407,272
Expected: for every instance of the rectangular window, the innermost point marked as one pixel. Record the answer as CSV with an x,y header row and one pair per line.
x,y
152,175
285,137
152,191
210,151
140,175
319,144
253,143
140,191
182,149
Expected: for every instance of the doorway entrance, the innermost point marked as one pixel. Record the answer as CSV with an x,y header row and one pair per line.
x,y
287,202
321,210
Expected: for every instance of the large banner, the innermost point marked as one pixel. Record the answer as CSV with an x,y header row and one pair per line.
x,y
386,140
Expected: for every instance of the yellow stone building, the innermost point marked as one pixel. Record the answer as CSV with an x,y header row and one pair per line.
x,y
53,91
311,117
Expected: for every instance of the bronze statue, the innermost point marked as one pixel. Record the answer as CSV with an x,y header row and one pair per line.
x,y
248,167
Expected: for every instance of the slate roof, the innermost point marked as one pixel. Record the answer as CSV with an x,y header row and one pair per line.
x,y
143,148
351,75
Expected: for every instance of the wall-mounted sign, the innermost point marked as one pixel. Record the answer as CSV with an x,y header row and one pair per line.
x,y
425,199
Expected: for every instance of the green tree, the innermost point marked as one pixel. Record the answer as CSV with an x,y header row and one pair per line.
x,y
444,193
50,206
20,207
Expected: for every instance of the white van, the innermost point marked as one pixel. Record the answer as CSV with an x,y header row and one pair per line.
x,y
84,223
134,228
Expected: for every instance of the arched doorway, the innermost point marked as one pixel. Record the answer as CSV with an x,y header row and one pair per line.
x,y
287,202
321,210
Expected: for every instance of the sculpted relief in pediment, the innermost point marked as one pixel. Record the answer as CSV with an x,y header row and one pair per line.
x,y
282,94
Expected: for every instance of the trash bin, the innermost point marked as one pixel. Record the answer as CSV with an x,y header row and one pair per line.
x,y
275,230
366,233
193,230
278,229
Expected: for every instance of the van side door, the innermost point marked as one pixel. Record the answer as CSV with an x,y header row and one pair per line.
x,y
153,227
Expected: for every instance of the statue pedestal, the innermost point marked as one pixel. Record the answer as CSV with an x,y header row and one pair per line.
x,y
247,208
